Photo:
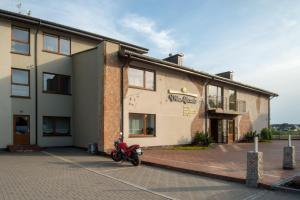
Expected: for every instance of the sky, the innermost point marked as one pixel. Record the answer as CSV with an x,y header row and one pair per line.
x,y
259,40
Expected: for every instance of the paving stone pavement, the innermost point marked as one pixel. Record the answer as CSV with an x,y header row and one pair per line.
x,y
69,173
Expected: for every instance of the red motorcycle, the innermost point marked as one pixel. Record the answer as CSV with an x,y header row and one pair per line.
x,y
124,153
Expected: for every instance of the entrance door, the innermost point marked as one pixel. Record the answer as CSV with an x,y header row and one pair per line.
x,y
21,130
214,129
230,131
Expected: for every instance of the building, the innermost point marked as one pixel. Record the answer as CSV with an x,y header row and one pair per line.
x,y
61,86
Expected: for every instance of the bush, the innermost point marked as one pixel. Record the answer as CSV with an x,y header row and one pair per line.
x,y
266,134
202,139
249,136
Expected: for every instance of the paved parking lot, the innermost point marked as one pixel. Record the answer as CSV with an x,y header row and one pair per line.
x,y
73,174
228,160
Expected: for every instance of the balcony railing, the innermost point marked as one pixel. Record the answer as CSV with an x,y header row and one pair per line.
x,y
218,102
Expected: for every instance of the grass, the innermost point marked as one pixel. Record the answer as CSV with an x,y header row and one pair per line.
x,y
286,132
190,147
265,141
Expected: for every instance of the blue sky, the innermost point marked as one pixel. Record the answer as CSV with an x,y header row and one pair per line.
x,y
257,39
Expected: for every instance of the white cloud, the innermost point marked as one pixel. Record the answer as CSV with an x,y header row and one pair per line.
x,y
161,38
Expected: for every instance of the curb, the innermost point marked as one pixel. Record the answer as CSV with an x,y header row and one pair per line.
x,y
206,174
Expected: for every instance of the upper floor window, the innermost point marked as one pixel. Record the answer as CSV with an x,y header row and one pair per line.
x,y
215,96
58,84
20,83
20,42
57,44
141,78
232,100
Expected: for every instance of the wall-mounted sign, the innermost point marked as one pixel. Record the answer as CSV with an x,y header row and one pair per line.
x,y
182,96
188,111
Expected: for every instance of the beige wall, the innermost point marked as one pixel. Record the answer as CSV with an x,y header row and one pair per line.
x,y
172,127
256,117
48,104
88,97
5,74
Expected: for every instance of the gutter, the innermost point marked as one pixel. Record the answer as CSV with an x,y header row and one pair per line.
x,y
36,81
122,97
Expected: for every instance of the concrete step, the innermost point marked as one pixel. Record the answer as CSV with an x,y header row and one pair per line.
x,y
23,148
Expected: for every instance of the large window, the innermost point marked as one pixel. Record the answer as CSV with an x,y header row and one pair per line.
x,y
57,44
20,42
141,124
232,100
56,126
215,96
58,84
20,83
141,78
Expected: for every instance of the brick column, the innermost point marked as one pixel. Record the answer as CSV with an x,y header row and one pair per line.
x,y
254,168
289,161
111,96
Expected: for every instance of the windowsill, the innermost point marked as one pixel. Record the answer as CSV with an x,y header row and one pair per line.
x,y
54,52
57,135
19,53
140,136
45,92
21,97
141,88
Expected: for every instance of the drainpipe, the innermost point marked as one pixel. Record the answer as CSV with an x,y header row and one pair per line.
x,y
36,81
269,109
206,107
122,97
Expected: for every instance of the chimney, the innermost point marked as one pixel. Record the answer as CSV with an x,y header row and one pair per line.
x,y
228,75
177,58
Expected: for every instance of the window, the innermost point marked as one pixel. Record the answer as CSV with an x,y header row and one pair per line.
x,y
141,124
56,126
20,40
58,84
20,83
141,78
215,96
57,44
232,100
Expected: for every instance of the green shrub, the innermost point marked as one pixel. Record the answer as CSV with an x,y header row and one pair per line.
x,y
202,139
266,134
249,136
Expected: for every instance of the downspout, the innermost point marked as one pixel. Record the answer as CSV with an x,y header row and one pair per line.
x,y
269,110
206,107
122,98
36,82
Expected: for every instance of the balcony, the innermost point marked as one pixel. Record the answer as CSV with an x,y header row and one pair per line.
x,y
218,104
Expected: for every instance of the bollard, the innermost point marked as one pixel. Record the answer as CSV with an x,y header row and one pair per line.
x,y
289,161
254,166
256,144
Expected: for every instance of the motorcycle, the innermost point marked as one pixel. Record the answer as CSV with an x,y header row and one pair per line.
x,y
124,153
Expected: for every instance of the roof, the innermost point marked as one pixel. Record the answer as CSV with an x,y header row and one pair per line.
x,y
44,23
151,60
134,51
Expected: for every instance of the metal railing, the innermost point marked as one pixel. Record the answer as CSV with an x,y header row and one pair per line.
x,y
218,102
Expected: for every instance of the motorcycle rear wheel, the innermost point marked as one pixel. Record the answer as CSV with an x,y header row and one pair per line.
x,y
115,156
